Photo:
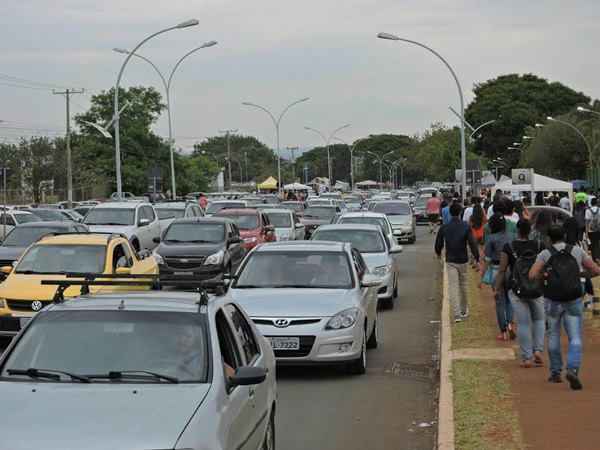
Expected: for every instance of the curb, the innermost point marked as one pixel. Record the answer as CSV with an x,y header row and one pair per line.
x,y
446,399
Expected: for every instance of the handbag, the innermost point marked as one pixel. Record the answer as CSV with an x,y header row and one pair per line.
x,y
489,276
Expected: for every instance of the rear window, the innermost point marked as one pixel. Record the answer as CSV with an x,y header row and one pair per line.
x,y
217,206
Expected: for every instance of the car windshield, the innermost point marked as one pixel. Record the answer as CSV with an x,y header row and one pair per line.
x,y
329,270
50,215
244,221
63,259
320,212
170,213
421,202
25,236
26,218
95,343
195,232
214,208
293,206
367,221
365,241
392,208
110,216
280,220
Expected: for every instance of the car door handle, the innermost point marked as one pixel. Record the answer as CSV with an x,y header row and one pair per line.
x,y
251,392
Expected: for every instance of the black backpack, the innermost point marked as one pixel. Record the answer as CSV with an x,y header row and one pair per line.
x,y
525,256
562,277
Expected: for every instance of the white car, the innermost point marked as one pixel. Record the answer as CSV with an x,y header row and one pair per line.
x,y
315,302
378,253
136,220
13,218
169,211
287,225
369,218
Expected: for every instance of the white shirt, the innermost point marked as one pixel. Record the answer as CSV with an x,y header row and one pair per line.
x,y
590,212
565,203
467,214
513,218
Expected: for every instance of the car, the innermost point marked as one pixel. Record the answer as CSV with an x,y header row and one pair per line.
x,y
314,216
427,192
56,256
401,216
24,235
420,210
13,218
49,214
315,301
559,215
369,218
287,225
353,202
321,202
151,370
378,252
169,211
217,205
254,226
294,205
136,220
210,246
71,214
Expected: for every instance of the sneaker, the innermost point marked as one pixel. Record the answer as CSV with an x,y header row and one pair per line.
x,y
573,378
555,378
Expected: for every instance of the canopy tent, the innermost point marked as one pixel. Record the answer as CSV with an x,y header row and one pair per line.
x,y
367,183
269,184
296,187
540,183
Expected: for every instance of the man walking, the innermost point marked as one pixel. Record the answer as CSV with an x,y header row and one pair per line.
x,y
560,268
432,208
456,236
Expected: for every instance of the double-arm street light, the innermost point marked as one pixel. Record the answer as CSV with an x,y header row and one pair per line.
x,y
327,141
463,146
167,85
581,135
276,123
186,24
352,147
472,128
380,161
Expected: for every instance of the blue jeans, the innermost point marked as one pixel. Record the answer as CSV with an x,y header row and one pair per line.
x,y
531,324
504,313
570,315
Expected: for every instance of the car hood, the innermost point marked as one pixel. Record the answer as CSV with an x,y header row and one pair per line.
x,y
178,250
13,253
400,220
375,259
293,302
314,221
125,229
96,416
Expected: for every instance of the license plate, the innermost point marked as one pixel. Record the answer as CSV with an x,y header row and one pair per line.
x,y
285,343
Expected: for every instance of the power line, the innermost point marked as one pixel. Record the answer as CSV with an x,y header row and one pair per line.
x,y
26,87
26,81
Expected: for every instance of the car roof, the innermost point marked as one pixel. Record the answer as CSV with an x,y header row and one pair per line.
x,y
50,224
171,205
303,246
121,205
229,201
76,239
374,215
349,226
237,212
212,219
329,205
276,210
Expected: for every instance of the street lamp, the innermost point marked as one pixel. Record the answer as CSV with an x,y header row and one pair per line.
x,y
352,147
463,147
167,86
587,110
527,138
186,24
380,160
578,131
276,123
327,141
539,125
517,144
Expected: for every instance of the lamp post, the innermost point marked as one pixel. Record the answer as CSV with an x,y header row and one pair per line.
x,y
582,109
327,141
352,147
227,134
380,161
167,86
276,123
463,147
401,162
578,131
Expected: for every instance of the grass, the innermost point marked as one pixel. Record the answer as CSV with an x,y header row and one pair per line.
x,y
479,330
484,414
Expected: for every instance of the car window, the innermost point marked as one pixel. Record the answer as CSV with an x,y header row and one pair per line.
x,y
8,218
359,263
25,218
110,216
195,232
365,241
280,220
148,213
230,353
245,222
61,258
244,333
165,213
121,257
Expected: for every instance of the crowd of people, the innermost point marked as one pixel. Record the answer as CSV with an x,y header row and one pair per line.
x,y
538,266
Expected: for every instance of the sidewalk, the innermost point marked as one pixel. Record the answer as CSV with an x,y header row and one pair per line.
x,y
545,416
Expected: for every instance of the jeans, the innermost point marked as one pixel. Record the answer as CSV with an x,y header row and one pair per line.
x,y
504,312
460,305
530,324
595,244
570,315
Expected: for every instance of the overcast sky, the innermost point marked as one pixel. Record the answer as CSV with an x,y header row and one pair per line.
x,y
274,52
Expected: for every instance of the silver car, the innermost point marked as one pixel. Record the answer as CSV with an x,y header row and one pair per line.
x,y
369,218
379,254
148,370
401,216
315,302
287,225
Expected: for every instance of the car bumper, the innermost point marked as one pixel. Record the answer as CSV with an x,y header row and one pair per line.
x,y
386,289
403,234
202,273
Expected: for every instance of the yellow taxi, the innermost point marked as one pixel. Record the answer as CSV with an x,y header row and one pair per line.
x,y
55,256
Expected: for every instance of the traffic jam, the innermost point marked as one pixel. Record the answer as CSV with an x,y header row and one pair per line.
x,y
160,325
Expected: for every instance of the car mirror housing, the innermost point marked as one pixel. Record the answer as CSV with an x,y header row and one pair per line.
x,y
370,281
248,375
396,249
143,222
156,240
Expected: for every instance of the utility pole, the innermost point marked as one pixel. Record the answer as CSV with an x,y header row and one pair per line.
x,y
67,93
4,213
227,136
246,165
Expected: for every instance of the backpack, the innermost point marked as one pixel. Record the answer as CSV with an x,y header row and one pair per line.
x,y
520,283
562,277
595,222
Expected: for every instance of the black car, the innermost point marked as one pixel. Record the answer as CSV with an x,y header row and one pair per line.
x,y
206,247
314,216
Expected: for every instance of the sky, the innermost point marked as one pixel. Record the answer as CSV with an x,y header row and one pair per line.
x,y
275,52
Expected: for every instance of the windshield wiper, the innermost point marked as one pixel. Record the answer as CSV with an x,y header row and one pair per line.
x,y
107,223
47,373
134,374
248,286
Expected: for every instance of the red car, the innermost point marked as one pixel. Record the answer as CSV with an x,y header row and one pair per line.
x,y
254,226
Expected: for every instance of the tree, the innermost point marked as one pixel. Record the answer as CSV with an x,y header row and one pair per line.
x,y
515,102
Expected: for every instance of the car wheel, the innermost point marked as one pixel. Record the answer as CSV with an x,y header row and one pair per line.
x,y
269,442
374,338
359,365
136,245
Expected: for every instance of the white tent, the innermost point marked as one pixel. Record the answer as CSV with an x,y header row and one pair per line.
x,y
296,187
540,183
367,183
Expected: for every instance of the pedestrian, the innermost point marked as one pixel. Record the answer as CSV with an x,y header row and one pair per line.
x,y
468,211
592,220
497,238
560,270
579,213
543,222
520,210
525,295
564,202
432,208
456,236
581,196
477,223
202,201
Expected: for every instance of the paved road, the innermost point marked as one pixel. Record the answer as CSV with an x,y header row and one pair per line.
x,y
325,409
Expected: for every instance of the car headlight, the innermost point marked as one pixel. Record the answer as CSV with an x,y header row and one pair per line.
x,y
250,240
343,319
159,259
215,258
381,271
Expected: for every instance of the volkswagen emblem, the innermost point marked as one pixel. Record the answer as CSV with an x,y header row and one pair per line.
x,y
36,305
281,323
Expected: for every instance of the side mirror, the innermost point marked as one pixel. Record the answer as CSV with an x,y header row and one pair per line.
x,y
247,376
396,249
123,270
370,281
299,225
6,269
143,254
156,240
143,222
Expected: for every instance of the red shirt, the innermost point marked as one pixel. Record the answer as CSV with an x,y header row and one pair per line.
x,y
433,205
